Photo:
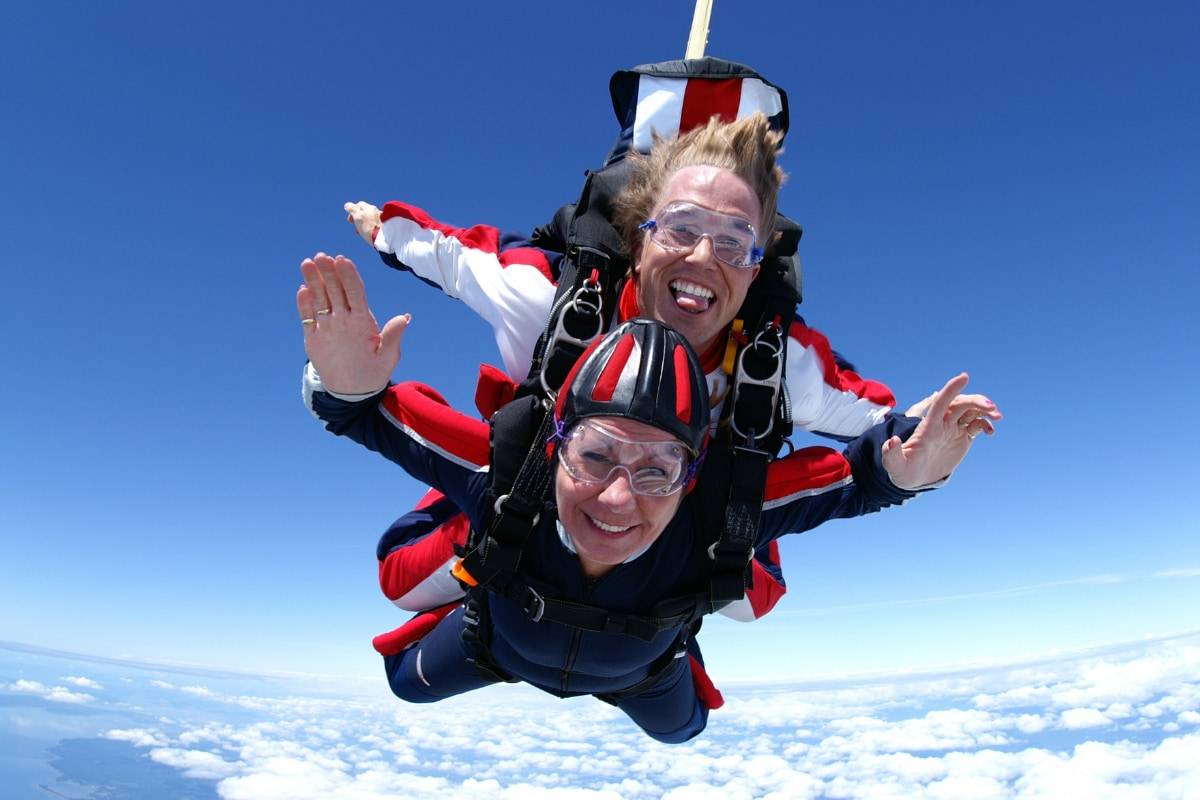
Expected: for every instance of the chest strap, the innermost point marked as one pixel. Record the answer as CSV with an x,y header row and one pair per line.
x,y
665,615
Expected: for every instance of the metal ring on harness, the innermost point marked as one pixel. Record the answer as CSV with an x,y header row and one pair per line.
x,y
586,302
712,555
498,508
749,374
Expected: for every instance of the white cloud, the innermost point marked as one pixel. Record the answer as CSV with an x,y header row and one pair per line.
x,y
195,763
1078,718
57,694
139,737
82,683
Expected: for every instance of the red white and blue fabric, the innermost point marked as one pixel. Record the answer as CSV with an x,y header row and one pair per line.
x,y
675,97
667,106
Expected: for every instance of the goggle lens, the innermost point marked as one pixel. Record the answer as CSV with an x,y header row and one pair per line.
x,y
592,454
680,226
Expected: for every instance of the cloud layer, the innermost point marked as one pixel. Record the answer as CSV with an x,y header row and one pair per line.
x,y
1118,725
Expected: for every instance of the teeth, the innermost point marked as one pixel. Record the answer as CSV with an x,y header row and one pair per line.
x,y
692,288
604,526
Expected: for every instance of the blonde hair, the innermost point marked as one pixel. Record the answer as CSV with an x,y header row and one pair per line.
x,y
747,148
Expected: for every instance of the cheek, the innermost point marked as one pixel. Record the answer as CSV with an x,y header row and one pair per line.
x,y
739,283
660,511
566,494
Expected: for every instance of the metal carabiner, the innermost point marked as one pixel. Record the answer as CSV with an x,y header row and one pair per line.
x,y
748,375
569,326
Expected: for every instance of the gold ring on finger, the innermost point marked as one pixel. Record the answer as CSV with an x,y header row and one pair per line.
x,y
323,311
308,321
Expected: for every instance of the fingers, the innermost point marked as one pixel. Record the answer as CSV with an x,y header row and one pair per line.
x,y
316,286
967,408
332,282
351,283
306,309
944,396
333,286
978,426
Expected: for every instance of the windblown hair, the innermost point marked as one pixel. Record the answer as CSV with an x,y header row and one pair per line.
x,y
746,148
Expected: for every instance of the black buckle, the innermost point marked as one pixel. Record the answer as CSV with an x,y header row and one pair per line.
x,y
534,605
588,257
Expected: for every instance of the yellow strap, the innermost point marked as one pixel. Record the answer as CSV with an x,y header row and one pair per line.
x,y
731,346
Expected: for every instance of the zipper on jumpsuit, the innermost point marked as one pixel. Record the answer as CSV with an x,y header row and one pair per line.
x,y
576,637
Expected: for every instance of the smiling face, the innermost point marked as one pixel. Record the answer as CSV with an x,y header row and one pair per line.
x,y
606,521
693,292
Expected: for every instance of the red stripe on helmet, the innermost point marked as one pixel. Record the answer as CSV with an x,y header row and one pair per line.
x,y
683,386
704,98
606,384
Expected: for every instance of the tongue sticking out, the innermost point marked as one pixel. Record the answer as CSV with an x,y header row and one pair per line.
x,y
692,303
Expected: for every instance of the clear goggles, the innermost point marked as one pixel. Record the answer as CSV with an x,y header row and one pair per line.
x,y
591,453
680,226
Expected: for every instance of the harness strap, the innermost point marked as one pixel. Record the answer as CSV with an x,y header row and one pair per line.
x,y
518,506
595,256
656,672
666,614
734,550
477,637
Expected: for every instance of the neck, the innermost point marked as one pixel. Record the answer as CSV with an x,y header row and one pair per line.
x,y
593,569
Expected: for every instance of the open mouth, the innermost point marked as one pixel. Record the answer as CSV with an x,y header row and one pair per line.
x,y
606,528
691,297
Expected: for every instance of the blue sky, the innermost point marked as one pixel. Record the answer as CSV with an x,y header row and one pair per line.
x,y
1010,190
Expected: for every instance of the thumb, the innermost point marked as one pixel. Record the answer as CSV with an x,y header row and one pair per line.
x,y
893,455
392,333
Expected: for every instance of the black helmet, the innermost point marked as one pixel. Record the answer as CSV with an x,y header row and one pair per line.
x,y
645,371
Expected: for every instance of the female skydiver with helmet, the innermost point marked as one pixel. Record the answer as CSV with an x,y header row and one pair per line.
x,y
633,418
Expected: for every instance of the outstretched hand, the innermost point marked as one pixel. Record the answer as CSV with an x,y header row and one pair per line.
x,y
365,218
941,441
342,339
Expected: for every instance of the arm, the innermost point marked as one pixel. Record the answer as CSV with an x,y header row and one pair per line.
x,y
501,277
885,466
826,398
350,356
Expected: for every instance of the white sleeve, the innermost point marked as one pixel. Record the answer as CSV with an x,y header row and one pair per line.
x,y
514,298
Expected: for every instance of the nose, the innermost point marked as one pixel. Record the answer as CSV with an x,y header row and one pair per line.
x,y
618,494
703,253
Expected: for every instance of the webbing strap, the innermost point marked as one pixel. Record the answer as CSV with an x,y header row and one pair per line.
x,y
517,508
654,673
595,253
733,551
666,614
